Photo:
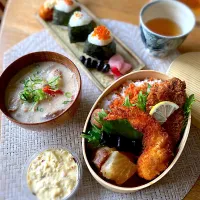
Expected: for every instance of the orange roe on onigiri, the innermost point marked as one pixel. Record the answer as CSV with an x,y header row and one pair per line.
x,y
78,14
69,2
101,32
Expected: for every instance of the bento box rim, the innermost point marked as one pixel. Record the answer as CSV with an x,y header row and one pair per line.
x,y
180,147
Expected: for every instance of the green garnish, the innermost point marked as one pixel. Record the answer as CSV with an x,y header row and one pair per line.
x,y
187,109
66,102
36,72
30,93
141,101
142,98
127,102
121,127
148,88
40,109
54,82
118,127
68,94
93,136
188,104
102,114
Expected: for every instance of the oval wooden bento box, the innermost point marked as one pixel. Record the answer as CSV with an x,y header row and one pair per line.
x,y
140,75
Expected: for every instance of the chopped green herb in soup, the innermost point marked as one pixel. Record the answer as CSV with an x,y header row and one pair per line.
x,y
40,92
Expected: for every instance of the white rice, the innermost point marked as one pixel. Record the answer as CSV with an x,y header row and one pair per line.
x,y
79,19
105,103
62,6
98,42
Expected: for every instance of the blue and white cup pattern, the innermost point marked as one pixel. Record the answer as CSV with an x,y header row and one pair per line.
x,y
160,45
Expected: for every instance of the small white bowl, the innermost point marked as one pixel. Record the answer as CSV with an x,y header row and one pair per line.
x,y
27,192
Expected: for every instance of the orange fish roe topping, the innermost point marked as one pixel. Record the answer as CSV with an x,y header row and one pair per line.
x,y
78,14
132,91
102,32
69,2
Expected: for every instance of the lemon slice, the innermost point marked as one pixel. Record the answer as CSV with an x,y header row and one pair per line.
x,y
161,111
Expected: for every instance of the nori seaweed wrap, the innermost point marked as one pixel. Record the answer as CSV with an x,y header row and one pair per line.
x,y
63,10
80,33
100,52
62,18
100,44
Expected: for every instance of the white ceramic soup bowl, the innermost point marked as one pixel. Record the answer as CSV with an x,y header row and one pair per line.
x,y
160,45
140,75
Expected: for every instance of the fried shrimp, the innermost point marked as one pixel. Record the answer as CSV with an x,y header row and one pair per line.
x,y
158,146
170,90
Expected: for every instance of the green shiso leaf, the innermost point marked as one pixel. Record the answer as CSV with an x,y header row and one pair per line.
x,y
188,104
119,127
93,136
187,109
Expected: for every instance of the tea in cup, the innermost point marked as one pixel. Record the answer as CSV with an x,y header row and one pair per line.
x,y
164,25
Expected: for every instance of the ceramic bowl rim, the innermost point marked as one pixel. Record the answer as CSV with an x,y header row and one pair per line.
x,y
79,83
25,187
163,36
131,189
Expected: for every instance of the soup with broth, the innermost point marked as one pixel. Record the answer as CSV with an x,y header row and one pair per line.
x,y
40,92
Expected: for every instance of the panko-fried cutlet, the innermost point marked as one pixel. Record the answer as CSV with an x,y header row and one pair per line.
x,y
174,125
170,90
157,144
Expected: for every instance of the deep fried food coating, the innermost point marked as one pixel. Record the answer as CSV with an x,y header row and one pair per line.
x,y
170,90
157,144
132,92
174,125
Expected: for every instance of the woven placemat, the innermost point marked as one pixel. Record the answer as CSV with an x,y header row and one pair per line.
x,y
19,144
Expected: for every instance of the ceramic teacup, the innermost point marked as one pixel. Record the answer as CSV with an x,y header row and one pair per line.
x,y
160,45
